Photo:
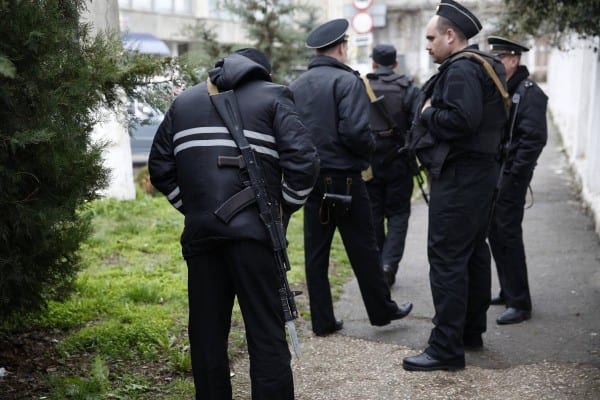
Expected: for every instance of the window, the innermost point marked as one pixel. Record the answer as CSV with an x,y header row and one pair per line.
x,y
182,48
182,6
216,9
141,4
161,6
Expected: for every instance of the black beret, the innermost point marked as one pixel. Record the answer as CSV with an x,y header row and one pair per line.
x,y
464,19
384,54
255,55
328,34
506,46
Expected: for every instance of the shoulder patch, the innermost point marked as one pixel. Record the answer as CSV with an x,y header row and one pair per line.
x,y
528,83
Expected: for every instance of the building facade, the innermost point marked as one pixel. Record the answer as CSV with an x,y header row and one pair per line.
x,y
397,22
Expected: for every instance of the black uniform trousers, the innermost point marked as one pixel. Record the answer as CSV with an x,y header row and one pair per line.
x,y
246,269
357,233
506,241
390,192
458,254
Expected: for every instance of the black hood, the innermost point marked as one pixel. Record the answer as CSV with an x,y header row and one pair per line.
x,y
236,70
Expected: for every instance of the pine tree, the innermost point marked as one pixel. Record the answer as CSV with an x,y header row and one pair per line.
x,y
53,77
553,18
279,29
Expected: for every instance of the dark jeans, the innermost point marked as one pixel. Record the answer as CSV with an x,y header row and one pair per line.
x,y
245,269
458,254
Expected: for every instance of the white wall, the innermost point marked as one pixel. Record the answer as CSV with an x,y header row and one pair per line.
x,y
104,15
573,89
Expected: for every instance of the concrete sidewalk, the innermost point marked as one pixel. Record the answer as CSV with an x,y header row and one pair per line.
x,y
553,356
563,254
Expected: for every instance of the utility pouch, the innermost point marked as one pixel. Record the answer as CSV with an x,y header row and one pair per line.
x,y
340,204
337,200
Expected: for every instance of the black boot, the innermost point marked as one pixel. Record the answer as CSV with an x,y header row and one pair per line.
x,y
389,274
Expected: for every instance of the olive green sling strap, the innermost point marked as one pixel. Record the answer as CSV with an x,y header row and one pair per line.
x,y
490,71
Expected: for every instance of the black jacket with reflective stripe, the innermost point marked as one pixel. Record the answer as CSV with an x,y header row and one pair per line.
x,y
183,158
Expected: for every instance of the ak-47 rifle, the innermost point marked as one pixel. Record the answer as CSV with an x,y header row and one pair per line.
x,y
403,151
226,105
516,99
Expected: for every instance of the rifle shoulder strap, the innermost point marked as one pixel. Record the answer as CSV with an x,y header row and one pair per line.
x,y
379,104
226,105
369,89
490,71
212,88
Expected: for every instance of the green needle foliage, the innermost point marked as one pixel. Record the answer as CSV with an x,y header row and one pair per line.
x,y
54,78
276,27
551,17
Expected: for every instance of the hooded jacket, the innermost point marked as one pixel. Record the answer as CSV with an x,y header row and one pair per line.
x,y
183,159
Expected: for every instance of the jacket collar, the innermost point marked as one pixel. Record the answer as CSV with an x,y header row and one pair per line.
x,y
383,70
520,74
327,61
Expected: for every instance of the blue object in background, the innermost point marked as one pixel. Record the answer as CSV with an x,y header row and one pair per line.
x,y
144,120
145,43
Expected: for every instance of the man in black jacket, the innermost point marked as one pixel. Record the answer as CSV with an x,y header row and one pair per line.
x,y
390,189
333,104
529,136
457,137
235,258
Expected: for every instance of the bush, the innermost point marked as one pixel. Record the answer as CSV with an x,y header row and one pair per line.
x,y
54,77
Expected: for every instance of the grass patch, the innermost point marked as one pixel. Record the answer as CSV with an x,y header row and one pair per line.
x,y
94,386
123,333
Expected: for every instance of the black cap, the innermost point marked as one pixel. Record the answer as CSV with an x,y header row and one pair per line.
x,y
384,54
464,19
328,34
255,55
505,46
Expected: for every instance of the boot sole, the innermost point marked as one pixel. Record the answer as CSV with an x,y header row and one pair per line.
x,y
435,368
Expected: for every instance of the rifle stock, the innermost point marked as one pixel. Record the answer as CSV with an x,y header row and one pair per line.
x,y
227,107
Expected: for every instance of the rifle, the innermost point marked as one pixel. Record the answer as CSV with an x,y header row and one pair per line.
x,y
413,166
380,105
408,156
516,99
227,107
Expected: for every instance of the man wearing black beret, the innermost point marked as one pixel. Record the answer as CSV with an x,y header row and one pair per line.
x,y
333,103
391,187
525,143
457,135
